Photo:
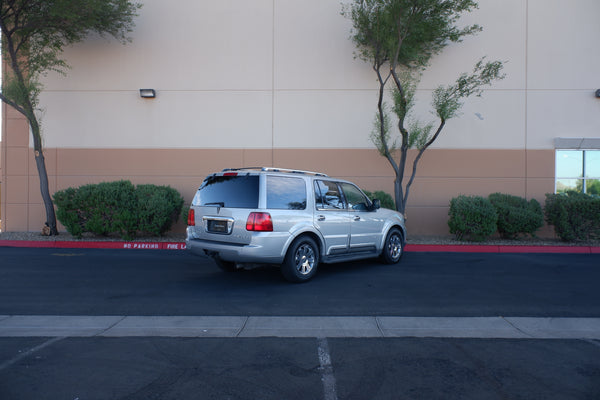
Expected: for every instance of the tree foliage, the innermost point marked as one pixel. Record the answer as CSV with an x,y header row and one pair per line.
x,y
34,34
398,38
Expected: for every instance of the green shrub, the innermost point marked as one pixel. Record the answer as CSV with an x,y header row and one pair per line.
x,y
67,205
118,208
575,216
472,218
516,215
387,201
185,211
158,208
101,208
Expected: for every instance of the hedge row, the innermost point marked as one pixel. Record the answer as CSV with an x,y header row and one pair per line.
x,y
517,216
472,218
575,216
118,208
476,218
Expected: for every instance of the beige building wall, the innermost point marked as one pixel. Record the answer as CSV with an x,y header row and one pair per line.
x,y
275,83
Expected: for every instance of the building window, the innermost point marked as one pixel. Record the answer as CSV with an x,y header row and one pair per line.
x,y
578,170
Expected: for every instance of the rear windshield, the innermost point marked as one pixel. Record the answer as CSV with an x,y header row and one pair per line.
x,y
228,191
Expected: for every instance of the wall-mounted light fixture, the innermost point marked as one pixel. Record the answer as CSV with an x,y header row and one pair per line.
x,y
147,93
598,93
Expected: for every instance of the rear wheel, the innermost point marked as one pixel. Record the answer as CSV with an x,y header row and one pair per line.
x,y
301,261
393,247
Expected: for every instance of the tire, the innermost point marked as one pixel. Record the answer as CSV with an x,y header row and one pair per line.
x,y
301,261
227,266
393,248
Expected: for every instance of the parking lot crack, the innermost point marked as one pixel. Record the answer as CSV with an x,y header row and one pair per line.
x,y
516,327
102,332
238,333
379,328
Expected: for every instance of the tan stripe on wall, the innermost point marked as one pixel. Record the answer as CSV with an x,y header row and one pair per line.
x,y
442,174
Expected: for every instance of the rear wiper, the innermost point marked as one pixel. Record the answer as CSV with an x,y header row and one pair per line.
x,y
217,203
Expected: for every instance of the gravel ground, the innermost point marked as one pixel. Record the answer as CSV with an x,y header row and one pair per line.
x,y
415,239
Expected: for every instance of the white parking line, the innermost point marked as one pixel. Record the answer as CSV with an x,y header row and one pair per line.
x,y
326,369
29,352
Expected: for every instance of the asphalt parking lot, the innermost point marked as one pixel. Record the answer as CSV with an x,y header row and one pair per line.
x,y
99,324
293,368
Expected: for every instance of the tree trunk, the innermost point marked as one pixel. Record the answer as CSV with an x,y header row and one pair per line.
x,y
45,191
400,204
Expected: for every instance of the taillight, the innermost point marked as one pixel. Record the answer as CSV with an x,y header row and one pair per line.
x,y
260,222
191,218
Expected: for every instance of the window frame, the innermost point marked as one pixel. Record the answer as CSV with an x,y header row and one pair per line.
x,y
584,178
319,195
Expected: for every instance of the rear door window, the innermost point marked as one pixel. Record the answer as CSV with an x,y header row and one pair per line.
x,y
286,193
228,191
328,196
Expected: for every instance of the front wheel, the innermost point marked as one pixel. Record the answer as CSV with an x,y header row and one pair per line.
x,y
301,261
393,247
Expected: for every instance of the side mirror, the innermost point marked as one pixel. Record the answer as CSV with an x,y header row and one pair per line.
x,y
376,204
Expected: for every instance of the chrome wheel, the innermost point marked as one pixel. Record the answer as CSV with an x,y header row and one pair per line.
x,y
393,247
304,259
301,260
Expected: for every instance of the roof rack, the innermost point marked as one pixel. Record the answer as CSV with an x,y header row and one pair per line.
x,y
273,169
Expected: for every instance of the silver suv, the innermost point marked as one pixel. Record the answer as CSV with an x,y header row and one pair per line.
x,y
297,219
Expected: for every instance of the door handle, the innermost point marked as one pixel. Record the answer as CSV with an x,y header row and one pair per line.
x,y
357,217
321,218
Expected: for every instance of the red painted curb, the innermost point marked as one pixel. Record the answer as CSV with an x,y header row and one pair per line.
x,y
65,244
486,248
451,248
435,248
546,249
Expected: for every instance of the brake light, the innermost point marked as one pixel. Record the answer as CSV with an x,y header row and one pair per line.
x,y
191,218
259,222
230,174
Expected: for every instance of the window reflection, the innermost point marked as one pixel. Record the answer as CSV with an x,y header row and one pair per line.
x,y
578,170
328,196
228,191
593,186
592,164
355,198
566,185
569,163
286,193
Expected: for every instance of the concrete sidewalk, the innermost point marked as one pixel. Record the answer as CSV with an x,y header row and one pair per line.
x,y
330,326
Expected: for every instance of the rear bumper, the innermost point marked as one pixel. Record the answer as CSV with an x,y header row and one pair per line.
x,y
250,253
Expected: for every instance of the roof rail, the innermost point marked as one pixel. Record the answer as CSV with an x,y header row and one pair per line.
x,y
242,169
274,169
293,171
